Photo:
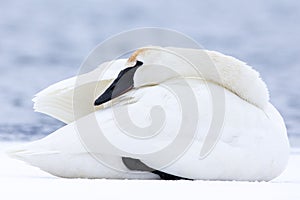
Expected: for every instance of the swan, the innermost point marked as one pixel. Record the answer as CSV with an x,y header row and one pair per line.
x,y
172,113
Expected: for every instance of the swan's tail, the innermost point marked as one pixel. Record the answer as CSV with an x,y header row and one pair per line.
x,y
60,99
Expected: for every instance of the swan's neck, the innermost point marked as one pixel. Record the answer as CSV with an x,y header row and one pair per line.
x,y
164,63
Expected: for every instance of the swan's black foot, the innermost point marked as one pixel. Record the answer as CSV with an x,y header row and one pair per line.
x,y
136,164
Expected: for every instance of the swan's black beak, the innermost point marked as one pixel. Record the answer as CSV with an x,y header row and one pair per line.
x,y
122,84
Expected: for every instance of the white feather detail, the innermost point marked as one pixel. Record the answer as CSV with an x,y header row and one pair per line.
x,y
58,99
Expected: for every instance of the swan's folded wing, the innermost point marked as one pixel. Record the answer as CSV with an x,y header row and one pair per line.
x,y
58,99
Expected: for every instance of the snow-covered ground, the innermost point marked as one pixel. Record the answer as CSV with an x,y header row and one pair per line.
x,y
21,181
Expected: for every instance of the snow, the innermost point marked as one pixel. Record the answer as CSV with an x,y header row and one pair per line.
x,y
19,180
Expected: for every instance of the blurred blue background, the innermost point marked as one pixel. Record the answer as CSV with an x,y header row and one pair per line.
x,y
42,42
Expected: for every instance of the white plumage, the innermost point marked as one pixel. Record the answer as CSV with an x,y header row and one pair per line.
x,y
253,143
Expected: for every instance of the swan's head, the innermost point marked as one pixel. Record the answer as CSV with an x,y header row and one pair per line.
x,y
146,67
122,84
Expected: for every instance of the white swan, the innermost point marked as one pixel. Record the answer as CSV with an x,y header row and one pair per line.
x,y
192,87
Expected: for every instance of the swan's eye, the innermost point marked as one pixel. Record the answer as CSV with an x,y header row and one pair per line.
x,y
122,84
